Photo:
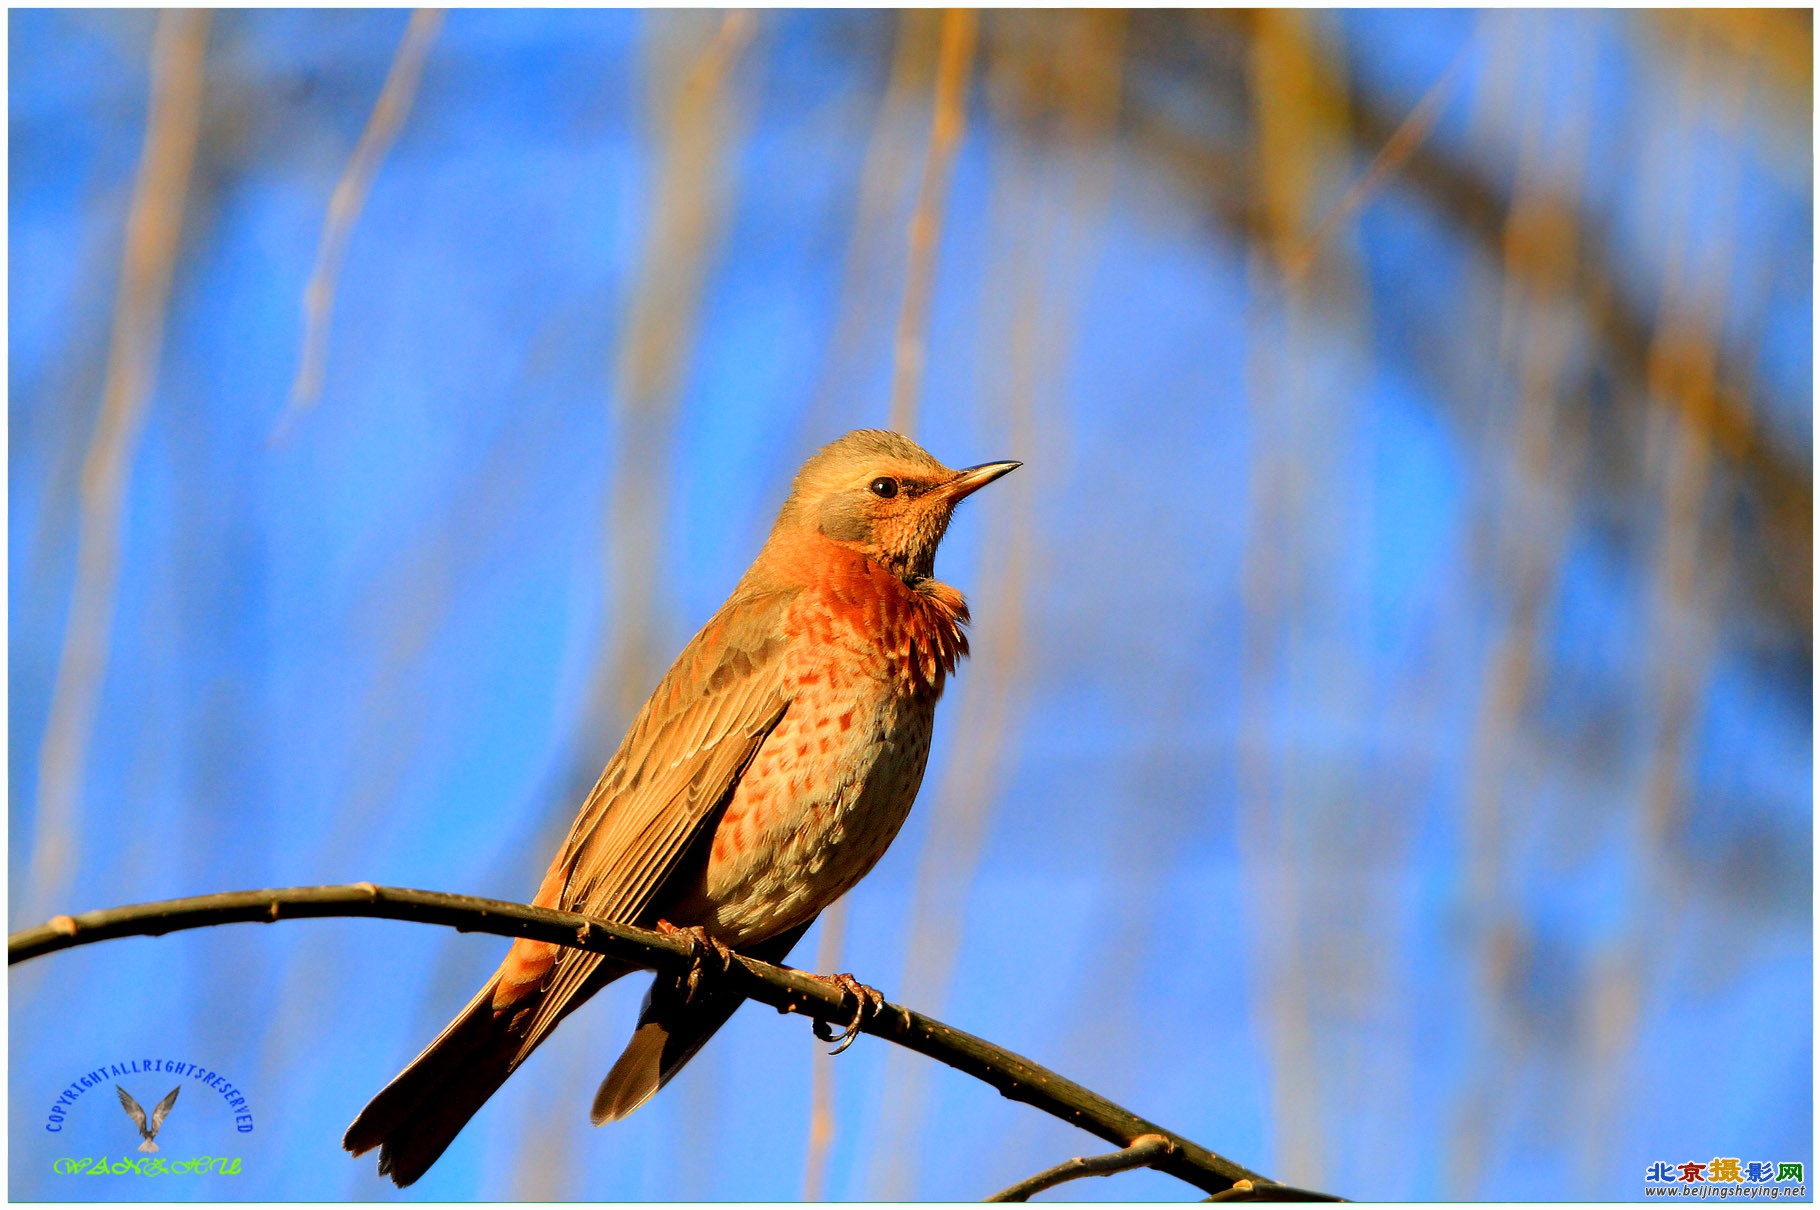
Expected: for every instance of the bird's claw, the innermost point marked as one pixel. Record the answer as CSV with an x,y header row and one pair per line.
x,y
868,1002
701,944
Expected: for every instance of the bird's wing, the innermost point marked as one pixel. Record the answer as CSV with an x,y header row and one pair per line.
x,y
164,1107
132,1108
673,773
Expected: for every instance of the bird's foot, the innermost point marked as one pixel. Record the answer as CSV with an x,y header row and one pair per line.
x,y
701,944
868,1003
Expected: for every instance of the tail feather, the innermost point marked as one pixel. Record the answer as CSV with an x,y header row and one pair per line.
x,y
637,1075
670,1031
413,1119
668,1036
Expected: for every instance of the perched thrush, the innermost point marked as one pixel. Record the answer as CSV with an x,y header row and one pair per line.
x,y
765,776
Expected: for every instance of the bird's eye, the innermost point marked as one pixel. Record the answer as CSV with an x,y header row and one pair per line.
x,y
884,487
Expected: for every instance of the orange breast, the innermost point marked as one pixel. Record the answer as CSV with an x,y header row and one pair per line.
x,y
830,787
913,635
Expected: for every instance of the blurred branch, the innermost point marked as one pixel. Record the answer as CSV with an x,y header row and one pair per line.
x,y
1467,194
1402,143
960,31
1690,567
349,198
1138,1154
787,990
691,118
1771,46
1625,333
153,229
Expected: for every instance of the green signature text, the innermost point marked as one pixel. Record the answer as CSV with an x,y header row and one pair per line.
x,y
151,1165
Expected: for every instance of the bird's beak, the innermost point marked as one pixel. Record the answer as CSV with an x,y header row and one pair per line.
x,y
966,482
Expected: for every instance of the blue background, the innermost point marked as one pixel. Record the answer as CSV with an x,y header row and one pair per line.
x,y
1369,767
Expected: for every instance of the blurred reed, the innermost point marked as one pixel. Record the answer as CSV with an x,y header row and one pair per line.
x,y
345,203
1528,522
947,126
1052,87
691,60
1689,576
883,177
953,71
693,114
874,239
1286,815
833,926
153,233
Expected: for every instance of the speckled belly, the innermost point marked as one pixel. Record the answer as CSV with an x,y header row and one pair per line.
x,y
821,801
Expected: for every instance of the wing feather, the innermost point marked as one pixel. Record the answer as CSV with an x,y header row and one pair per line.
x,y
673,773
132,1108
163,1107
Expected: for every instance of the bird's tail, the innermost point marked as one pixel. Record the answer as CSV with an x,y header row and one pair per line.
x,y
413,1119
671,1029
148,1145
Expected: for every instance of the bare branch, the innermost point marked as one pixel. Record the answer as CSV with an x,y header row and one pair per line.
x,y
787,990
1252,1191
1138,1155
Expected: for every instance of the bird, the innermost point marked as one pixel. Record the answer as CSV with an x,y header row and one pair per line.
x,y
766,774
148,1131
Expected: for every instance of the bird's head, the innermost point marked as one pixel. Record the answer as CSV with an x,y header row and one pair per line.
x,y
884,496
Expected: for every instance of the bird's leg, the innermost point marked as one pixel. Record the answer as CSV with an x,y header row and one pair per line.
x,y
701,944
869,1003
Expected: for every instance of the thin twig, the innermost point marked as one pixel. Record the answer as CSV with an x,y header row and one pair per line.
x,y
1266,1191
1138,1155
349,198
784,989
1236,1193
